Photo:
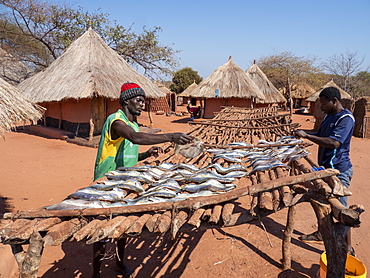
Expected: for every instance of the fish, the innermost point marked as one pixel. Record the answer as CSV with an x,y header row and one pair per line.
x,y
236,174
241,144
167,166
191,149
203,193
157,173
212,185
140,176
74,204
270,166
129,184
227,158
141,168
184,172
222,170
189,167
204,176
262,161
170,184
217,151
90,194
166,193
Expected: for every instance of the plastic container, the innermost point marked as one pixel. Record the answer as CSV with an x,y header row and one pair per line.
x,y
353,265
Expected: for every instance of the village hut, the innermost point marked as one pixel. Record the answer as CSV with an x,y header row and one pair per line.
x,y
187,93
166,103
361,113
82,87
299,93
271,94
11,69
315,106
228,85
15,109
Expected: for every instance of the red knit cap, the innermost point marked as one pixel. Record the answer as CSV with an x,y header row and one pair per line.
x,y
130,90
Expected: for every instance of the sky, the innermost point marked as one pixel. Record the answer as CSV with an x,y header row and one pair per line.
x,y
208,32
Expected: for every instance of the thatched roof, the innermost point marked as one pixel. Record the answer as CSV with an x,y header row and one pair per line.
x,y
89,67
12,70
272,95
14,108
162,87
302,90
230,81
331,83
189,90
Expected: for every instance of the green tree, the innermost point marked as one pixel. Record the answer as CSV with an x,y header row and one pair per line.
x,y
184,78
37,32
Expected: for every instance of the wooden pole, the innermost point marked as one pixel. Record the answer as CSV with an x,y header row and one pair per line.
x,y
193,203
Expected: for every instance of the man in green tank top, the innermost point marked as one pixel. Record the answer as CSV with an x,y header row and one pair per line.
x,y
119,146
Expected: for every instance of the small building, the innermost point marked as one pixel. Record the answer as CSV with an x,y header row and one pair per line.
x,y
186,94
82,86
315,106
299,93
271,94
166,103
228,85
361,113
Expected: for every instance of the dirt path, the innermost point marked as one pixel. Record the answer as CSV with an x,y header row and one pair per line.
x,y
37,171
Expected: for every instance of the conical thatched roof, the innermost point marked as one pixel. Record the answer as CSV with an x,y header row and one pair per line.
x,y
272,95
230,81
189,90
88,67
302,90
12,70
331,83
14,108
162,87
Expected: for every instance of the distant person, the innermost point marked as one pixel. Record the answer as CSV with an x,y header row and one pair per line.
x,y
119,146
334,138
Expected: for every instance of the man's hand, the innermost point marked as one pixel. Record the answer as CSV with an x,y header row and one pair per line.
x,y
299,133
155,151
181,138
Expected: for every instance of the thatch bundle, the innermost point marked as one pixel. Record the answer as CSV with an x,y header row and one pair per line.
x,y
362,116
88,68
228,81
272,95
14,108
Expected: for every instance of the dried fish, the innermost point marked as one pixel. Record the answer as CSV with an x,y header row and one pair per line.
x,y
191,149
74,204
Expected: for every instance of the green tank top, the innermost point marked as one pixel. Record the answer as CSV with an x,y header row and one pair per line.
x,y
115,153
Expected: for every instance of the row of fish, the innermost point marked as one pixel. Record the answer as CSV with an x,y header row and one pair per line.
x,y
174,182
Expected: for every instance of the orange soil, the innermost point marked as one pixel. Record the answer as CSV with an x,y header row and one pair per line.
x,y
37,171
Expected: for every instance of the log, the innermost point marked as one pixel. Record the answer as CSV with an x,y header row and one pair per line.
x,y
20,233
60,232
31,262
207,214
239,218
287,238
18,253
86,230
151,223
195,219
13,225
266,201
45,224
193,203
216,214
137,227
163,223
96,233
177,222
125,225
227,211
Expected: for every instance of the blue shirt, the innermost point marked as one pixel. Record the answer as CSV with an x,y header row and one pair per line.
x,y
340,128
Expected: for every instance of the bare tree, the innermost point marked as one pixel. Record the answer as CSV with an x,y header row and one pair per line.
x,y
343,66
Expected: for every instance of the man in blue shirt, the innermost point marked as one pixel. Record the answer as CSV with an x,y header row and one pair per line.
x,y
333,137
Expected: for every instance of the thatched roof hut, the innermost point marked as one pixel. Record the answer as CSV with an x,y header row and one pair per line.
x,y
299,93
187,93
272,95
81,88
228,85
166,103
315,108
12,70
14,108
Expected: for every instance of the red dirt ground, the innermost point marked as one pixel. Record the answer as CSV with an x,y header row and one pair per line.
x,y
37,171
